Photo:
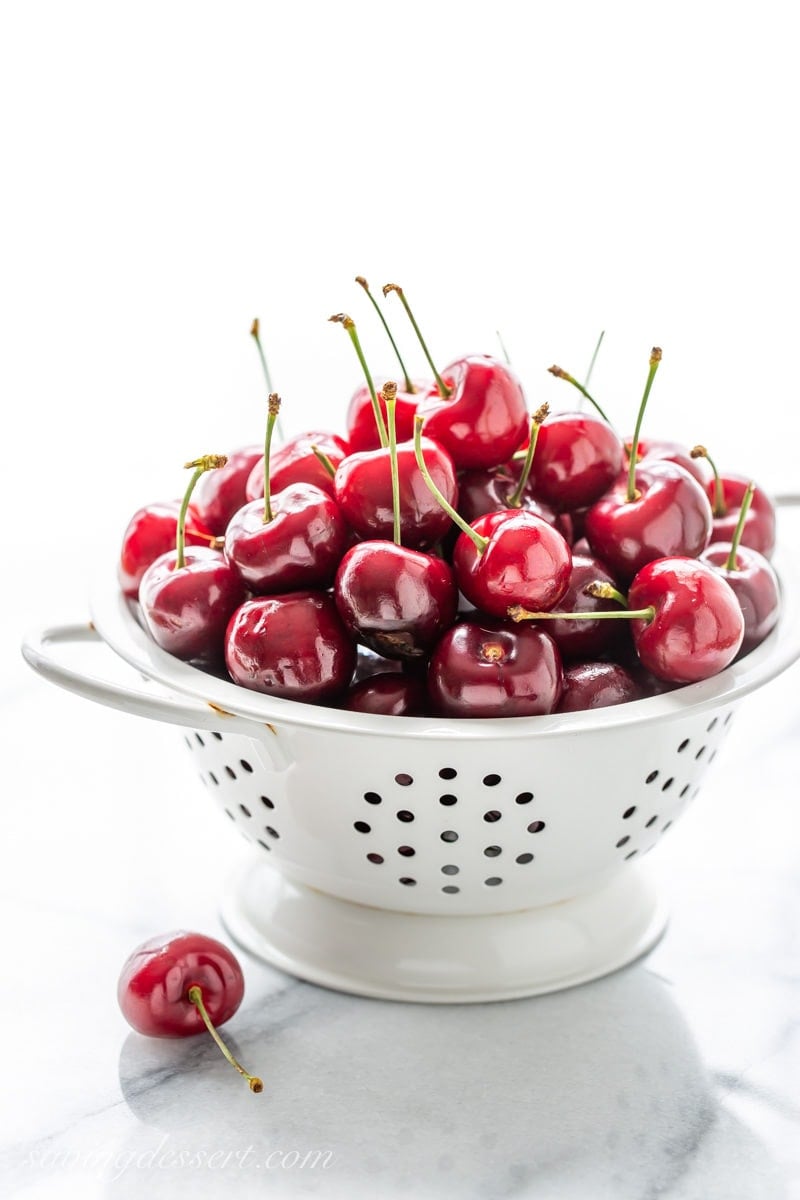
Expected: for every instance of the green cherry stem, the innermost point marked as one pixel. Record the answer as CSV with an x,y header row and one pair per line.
x,y
517,613
655,359
605,591
406,377
195,995
273,408
561,374
720,508
389,393
747,499
502,346
444,390
594,358
480,542
541,414
350,326
255,333
208,462
324,461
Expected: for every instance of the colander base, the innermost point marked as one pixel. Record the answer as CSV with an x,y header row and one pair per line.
x,y
441,959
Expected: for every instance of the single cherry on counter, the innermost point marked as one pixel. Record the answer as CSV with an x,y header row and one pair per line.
x,y
181,984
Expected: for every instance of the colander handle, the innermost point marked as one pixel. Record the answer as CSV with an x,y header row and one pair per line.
x,y
40,650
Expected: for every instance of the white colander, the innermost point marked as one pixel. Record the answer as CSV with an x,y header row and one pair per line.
x,y
432,859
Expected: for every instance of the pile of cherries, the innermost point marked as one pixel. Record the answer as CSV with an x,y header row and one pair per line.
x,y
451,555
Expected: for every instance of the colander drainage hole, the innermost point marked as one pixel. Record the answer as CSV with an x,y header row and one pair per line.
x,y
407,881
494,814
492,851
404,780
449,835
375,858
683,745
229,771
623,841
447,800
652,777
218,736
406,851
631,854
652,821
629,812
493,881
245,765
683,791
524,858
272,832
451,889
728,718
667,784
448,773
712,725
265,800
405,815
228,813
666,827
213,778
362,827
199,740
450,869
700,752
245,810
188,743
492,780
264,844
536,827
372,798
523,798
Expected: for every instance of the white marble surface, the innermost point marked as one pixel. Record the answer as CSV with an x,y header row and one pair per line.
x,y
678,1077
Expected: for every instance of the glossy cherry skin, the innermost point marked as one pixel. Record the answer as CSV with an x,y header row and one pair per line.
x,y
296,462
485,417
698,625
759,524
299,548
153,988
219,494
577,458
755,586
485,491
395,600
389,694
363,490
187,609
292,645
526,562
152,532
362,433
670,516
652,449
486,668
586,639
597,685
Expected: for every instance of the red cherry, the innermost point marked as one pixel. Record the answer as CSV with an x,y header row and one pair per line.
x,y
360,420
187,608
388,694
151,532
586,639
486,668
521,556
726,493
291,645
589,685
296,462
169,982
667,451
696,627
488,490
396,600
220,493
578,457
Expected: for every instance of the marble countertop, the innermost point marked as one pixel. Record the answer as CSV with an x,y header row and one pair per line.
x,y
676,1078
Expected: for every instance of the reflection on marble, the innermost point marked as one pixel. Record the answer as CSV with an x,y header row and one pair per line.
x,y
678,1077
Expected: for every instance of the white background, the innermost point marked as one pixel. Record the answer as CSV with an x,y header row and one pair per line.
x,y
173,169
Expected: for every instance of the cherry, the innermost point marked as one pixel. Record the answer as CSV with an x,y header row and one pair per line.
x,y
181,984
151,532
586,639
296,462
751,577
221,493
666,451
486,668
389,694
477,410
292,645
578,457
597,685
726,493
187,598
291,539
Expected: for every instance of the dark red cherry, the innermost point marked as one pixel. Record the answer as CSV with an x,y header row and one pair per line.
x,y
669,515
696,626
395,600
296,462
586,639
487,490
597,685
483,419
151,532
759,526
186,609
299,547
486,668
388,694
521,556
578,457
755,586
220,493
292,645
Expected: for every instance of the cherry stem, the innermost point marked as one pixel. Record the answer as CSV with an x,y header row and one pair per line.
x,y
720,508
195,994
350,326
541,414
747,499
406,377
444,390
322,458
517,613
480,542
605,591
273,408
215,542
389,393
503,350
208,462
561,374
594,358
255,333
655,359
